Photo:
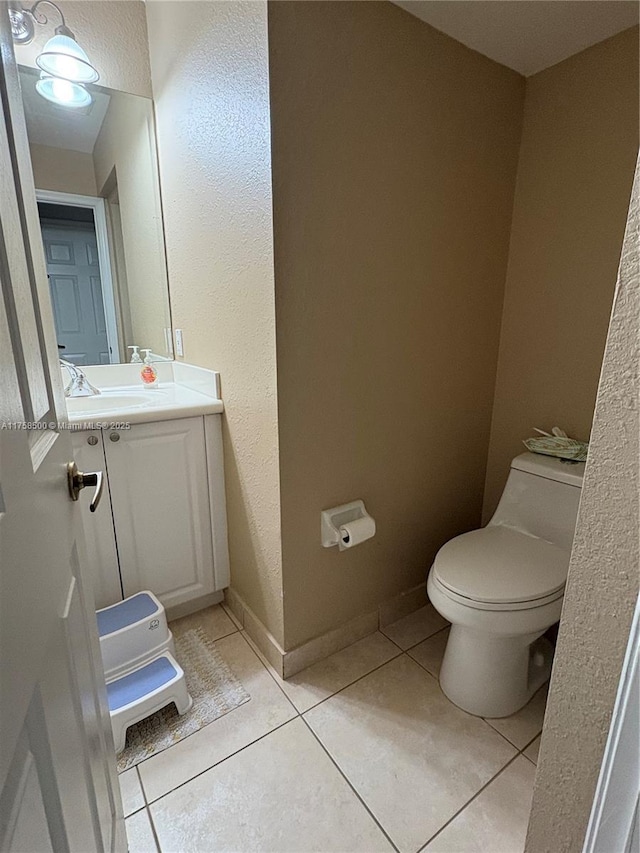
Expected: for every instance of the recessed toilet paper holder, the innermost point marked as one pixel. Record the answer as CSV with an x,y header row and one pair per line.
x,y
332,519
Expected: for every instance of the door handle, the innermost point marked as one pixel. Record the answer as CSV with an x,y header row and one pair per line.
x,y
77,480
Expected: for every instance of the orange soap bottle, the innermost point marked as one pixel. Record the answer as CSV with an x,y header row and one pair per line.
x,y
148,374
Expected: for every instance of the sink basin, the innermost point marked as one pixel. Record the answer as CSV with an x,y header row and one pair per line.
x,y
123,403
111,402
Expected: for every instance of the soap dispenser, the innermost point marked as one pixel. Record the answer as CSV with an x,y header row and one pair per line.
x,y
148,374
135,355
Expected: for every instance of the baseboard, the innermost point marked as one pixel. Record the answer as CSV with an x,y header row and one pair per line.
x,y
403,604
289,663
264,639
327,644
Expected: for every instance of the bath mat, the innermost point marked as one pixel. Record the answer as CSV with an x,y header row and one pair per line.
x,y
213,687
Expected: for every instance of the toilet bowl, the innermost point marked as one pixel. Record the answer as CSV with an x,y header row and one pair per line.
x,y
502,586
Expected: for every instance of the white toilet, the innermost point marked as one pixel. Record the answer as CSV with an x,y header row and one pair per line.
x,y
501,587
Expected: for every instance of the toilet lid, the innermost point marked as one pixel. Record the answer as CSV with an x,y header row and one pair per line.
x,y
499,565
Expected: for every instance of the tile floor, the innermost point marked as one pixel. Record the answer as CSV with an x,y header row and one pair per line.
x,y
360,752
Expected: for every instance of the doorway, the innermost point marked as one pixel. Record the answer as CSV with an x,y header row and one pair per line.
x,y
77,257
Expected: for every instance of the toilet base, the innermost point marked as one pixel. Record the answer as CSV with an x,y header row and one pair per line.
x,y
493,676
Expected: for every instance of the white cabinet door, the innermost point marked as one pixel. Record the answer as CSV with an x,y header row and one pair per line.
x,y
102,557
160,502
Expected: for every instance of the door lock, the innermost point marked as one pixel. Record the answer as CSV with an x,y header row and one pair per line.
x,y
77,480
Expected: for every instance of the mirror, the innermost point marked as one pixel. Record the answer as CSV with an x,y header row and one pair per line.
x,y
96,175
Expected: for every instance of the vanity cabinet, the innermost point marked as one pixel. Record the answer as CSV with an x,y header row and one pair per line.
x,y
161,523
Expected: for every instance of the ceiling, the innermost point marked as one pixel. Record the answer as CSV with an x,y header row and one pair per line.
x,y
60,127
526,35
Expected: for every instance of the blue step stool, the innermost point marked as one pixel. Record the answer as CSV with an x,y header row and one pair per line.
x,y
142,692
132,632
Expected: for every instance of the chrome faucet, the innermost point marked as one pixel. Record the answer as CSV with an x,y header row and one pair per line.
x,y
79,386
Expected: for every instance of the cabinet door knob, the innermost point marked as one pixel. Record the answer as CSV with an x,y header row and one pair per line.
x,y
114,436
92,440
77,480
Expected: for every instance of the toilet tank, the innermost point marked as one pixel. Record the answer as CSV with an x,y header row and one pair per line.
x,y
541,498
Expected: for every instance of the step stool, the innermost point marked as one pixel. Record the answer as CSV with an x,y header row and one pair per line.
x,y
136,695
132,632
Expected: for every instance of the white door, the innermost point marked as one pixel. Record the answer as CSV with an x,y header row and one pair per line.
x,y
71,254
58,787
614,823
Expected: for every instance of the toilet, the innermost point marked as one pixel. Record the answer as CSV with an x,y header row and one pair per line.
x,y
501,587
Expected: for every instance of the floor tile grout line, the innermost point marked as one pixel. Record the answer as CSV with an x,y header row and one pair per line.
x,y
436,678
378,630
336,692
493,729
483,719
351,683
230,634
135,811
144,793
232,616
210,636
191,734
150,802
522,751
413,645
297,714
268,668
153,830
468,803
422,666
527,745
379,666
406,651
433,675
301,714
397,645
515,745
346,779
428,637
216,763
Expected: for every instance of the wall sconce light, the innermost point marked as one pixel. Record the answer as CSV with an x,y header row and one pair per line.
x,y
62,59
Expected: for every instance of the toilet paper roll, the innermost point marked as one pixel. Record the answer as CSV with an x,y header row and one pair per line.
x,y
356,532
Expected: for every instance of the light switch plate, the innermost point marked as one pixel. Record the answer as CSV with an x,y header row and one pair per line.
x,y
179,344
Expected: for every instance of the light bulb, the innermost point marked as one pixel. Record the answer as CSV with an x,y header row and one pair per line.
x,y
65,93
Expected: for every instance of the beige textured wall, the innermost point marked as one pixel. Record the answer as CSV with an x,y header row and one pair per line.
x,y
114,35
61,170
127,144
579,144
210,80
394,162
602,585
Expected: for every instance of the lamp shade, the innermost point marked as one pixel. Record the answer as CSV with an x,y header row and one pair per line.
x,y
64,93
63,57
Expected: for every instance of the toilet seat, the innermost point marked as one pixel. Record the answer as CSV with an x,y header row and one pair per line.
x,y
494,606
499,568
